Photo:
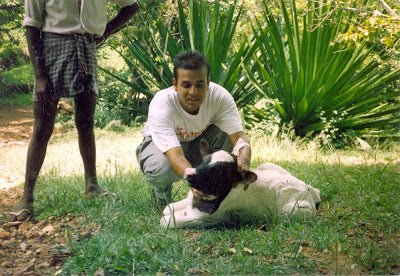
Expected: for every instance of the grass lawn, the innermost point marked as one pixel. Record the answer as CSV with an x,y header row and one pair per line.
x,y
356,231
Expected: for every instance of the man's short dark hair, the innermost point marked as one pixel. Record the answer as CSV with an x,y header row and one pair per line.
x,y
190,60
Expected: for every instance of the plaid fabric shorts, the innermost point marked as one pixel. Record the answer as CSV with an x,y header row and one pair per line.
x,y
70,61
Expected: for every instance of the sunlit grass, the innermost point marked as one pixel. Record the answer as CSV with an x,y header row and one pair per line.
x,y
356,231
115,153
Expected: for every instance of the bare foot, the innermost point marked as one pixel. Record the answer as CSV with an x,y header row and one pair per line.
x,y
24,212
96,191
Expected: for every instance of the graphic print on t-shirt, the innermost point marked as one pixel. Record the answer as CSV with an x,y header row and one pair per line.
x,y
184,136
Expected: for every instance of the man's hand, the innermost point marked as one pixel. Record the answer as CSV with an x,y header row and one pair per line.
x,y
243,165
243,152
42,87
43,90
243,159
118,22
178,161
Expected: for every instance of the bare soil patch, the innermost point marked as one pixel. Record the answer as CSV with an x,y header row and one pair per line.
x,y
15,125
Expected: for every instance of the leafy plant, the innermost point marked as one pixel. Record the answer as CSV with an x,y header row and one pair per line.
x,y
317,83
115,102
17,100
12,56
11,14
206,27
16,80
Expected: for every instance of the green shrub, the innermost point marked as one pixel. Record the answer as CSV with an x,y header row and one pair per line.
x,y
16,81
17,100
198,25
319,85
12,56
116,101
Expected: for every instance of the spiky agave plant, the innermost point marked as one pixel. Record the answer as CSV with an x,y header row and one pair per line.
x,y
317,83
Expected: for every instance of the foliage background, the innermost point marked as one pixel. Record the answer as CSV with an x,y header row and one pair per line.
x,y
162,28
343,82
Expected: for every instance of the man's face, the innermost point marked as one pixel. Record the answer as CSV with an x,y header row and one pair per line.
x,y
191,86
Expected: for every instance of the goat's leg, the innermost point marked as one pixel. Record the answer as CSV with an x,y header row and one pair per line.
x,y
178,219
299,210
179,205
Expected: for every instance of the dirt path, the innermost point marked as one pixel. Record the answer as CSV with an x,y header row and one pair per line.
x,y
29,248
15,130
15,125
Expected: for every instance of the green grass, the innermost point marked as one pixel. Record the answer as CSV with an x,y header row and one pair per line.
x,y
356,231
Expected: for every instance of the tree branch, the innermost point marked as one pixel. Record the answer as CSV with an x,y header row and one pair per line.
x,y
7,7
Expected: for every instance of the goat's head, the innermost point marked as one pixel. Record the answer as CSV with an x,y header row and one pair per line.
x,y
216,176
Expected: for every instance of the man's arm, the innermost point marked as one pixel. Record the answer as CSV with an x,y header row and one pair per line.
x,y
244,157
118,22
35,47
178,161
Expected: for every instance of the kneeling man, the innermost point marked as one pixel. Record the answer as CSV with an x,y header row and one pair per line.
x,y
179,117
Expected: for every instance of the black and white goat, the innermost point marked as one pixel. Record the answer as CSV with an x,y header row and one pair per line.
x,y
221,193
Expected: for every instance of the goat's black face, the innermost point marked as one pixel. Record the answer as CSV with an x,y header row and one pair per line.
x,y
215,176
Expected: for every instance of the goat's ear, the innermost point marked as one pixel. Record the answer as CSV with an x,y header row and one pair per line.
x,y
248,177
204,147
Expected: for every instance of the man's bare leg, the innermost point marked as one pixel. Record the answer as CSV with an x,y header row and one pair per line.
x,y
44,117
85,104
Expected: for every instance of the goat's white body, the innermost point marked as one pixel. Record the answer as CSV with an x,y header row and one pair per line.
x,y
275,194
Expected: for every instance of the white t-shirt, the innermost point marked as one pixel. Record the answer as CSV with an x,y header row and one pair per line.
x,y
169,124
66,17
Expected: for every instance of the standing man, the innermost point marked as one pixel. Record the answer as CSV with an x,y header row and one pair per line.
x,y
179,117
62,38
